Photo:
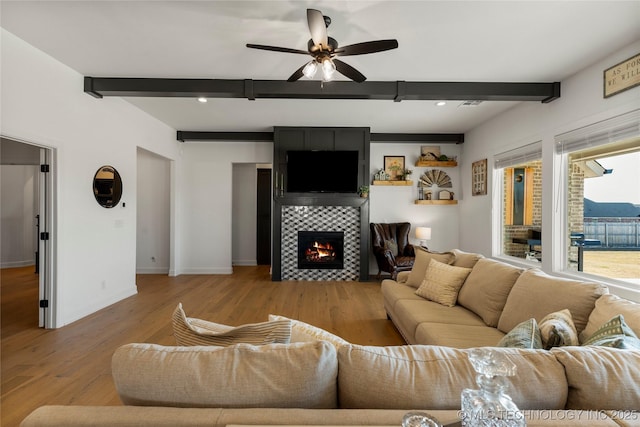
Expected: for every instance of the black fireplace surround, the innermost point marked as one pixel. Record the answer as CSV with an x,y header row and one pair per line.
x,y
325,139
321,249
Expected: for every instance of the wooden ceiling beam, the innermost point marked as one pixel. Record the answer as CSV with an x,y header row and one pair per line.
x,y
443,138
313,89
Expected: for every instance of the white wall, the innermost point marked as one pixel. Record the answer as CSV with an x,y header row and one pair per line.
x,y
581,104
396,203
18,208
244,215
205,200
43,103
153,214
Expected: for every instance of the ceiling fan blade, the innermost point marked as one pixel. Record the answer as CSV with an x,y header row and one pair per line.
x,y
317,28
297,74
367,47
276,48
348,71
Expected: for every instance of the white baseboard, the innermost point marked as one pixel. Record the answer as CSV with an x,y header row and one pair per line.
x,y
99,305
245,262
153,270
221,270
15,264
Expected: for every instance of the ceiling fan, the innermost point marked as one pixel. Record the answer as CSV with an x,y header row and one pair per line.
x,y
324,50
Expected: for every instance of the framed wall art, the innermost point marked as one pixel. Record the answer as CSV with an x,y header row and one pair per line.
x,y
394,166
479,178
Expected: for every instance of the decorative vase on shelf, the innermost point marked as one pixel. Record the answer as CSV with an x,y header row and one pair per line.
x,y
490,406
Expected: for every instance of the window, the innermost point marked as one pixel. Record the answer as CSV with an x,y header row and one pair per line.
x,y
519,173
603,199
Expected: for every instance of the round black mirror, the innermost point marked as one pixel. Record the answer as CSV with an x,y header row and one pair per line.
x,y
107,186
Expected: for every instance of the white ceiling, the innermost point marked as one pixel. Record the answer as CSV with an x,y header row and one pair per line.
x,y
500,41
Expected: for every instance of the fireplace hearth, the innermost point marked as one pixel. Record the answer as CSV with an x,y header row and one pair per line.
x,y
321,249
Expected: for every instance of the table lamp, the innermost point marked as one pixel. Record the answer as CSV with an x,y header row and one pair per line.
x,y
423,234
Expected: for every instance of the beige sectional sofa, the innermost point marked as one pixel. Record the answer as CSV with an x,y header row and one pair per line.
x,y
320,379
321,383
494,298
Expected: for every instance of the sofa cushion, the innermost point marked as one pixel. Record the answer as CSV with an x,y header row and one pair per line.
x,y
600,377
421,263
609,306
304,332
392,292
457,336
242,375
442,282
189,331
524,335
433,377
429,311
465,259
536,294
486,289
614,333
557,329
409,314
128,416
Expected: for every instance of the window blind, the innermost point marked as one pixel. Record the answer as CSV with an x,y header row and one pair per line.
x,y
518,156
623,129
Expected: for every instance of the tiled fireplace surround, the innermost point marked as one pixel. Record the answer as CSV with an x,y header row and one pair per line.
x,y
347,214
293,212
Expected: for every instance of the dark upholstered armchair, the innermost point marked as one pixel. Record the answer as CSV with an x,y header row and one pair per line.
x,y
391,247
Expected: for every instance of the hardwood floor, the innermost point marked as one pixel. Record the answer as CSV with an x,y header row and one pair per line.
x,y
72,365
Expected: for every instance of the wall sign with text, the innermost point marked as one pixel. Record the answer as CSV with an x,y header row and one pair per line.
x,y
622,76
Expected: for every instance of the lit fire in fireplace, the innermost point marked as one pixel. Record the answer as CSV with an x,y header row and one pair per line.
x,y
320,252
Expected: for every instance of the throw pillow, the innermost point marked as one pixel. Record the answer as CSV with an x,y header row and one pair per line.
x,y
609,306
421,263
536,294
614,333
392,246
442,282
487,288
304,332
557,329
465,259
524,335
188,332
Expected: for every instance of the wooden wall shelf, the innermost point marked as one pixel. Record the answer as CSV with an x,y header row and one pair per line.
x,y
436,164
436,202
394,183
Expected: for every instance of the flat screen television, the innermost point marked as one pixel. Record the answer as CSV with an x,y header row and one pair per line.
x,y
322,171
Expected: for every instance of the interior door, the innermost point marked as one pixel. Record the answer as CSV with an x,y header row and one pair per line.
x,y
43,238
263,217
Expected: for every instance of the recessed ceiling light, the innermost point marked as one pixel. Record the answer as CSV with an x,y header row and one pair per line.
x,y
441,103
202,99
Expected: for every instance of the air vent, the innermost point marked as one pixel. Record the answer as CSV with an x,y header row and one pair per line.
x,y
470,103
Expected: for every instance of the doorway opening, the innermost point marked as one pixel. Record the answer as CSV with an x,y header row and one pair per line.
x,y
27,257
251,214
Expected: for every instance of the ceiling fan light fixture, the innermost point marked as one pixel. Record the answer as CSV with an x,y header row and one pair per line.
x,y
310,69
328,68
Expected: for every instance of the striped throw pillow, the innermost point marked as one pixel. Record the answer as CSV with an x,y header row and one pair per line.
x,y
189,332
524,335
615,333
